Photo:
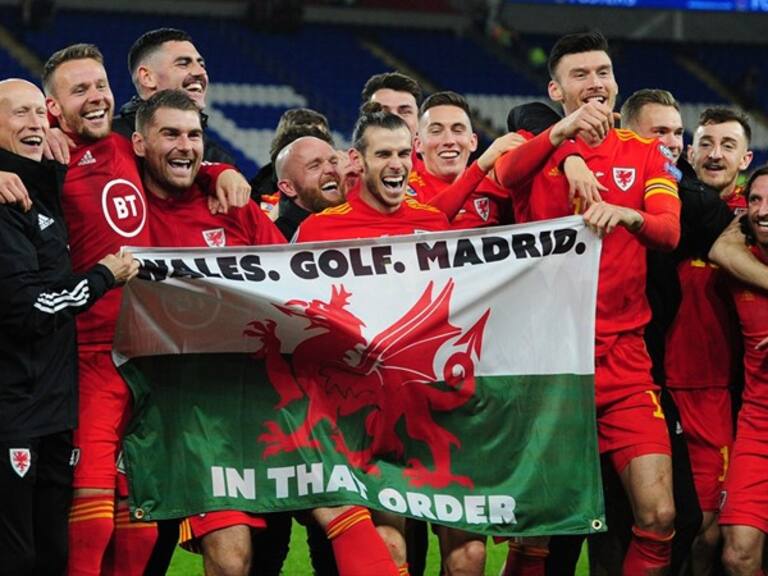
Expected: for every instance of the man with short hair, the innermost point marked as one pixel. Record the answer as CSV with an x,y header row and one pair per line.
x,y
169,139
164,59
702,342
397,94
105,208
444,179
743,514
39,298
382,207
639,208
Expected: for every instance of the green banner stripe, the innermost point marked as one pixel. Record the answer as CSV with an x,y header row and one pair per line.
x,y
517,457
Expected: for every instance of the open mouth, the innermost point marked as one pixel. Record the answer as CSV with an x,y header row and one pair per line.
x,y
95,114
713,167
596,98
32,141
449,154
195,86
330,187
393,183
180,165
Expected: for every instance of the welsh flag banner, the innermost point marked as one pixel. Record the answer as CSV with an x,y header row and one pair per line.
x,y
446,377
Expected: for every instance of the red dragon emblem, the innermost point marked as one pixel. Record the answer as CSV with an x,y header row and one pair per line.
x,y
624,178
20,460
339,373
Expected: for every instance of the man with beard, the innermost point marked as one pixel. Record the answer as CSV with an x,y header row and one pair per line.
x,y
169,139
105,208
166,59
743,514
308,177
702,344
382,142
639,209
40,297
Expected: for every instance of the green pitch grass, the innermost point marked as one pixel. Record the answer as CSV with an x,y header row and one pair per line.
x,y
297,563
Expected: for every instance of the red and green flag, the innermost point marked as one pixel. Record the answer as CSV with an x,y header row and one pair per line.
x,y
447,377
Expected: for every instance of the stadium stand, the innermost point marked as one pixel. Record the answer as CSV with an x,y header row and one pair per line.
x,y
257,75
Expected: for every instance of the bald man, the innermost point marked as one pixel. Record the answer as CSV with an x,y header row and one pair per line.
x,y
39,296
309,175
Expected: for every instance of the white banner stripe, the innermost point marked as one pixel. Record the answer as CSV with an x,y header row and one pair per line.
x,y
537,284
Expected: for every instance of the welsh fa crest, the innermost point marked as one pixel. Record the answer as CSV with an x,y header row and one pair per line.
x,y
215,238
21,460
483,207
624,178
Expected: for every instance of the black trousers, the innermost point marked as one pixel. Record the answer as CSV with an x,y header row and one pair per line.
x,y
36,493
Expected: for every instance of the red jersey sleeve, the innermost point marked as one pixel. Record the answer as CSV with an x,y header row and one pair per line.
x,y
209,174
520,165
451,200
661,203
262,229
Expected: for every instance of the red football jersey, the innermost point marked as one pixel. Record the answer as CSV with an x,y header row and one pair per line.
x,y
639,174
487,203
704,338
186,221
752,307
105,208
355,219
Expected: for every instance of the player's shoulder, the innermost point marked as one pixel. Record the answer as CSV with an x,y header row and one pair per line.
x,y
415,179
339,210
627,135
650,148
414,204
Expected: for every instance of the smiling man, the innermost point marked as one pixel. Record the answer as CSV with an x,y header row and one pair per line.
x,y
445,178
166,59
720,151
743,515
381,207
39,297
169,140
105,208
639,209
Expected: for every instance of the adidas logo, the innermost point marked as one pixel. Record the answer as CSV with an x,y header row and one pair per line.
x,y
44,221
87,159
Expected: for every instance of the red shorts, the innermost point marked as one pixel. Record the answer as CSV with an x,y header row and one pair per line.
x,y
192,529
705,414
745,494
630,421
105,405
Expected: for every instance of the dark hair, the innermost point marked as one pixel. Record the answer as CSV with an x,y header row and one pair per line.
x,y
745,227
720,115
374,120
392,80
174,99
151,41
575,44
74,52
533,117
301,117
293,133
632,106
446,98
